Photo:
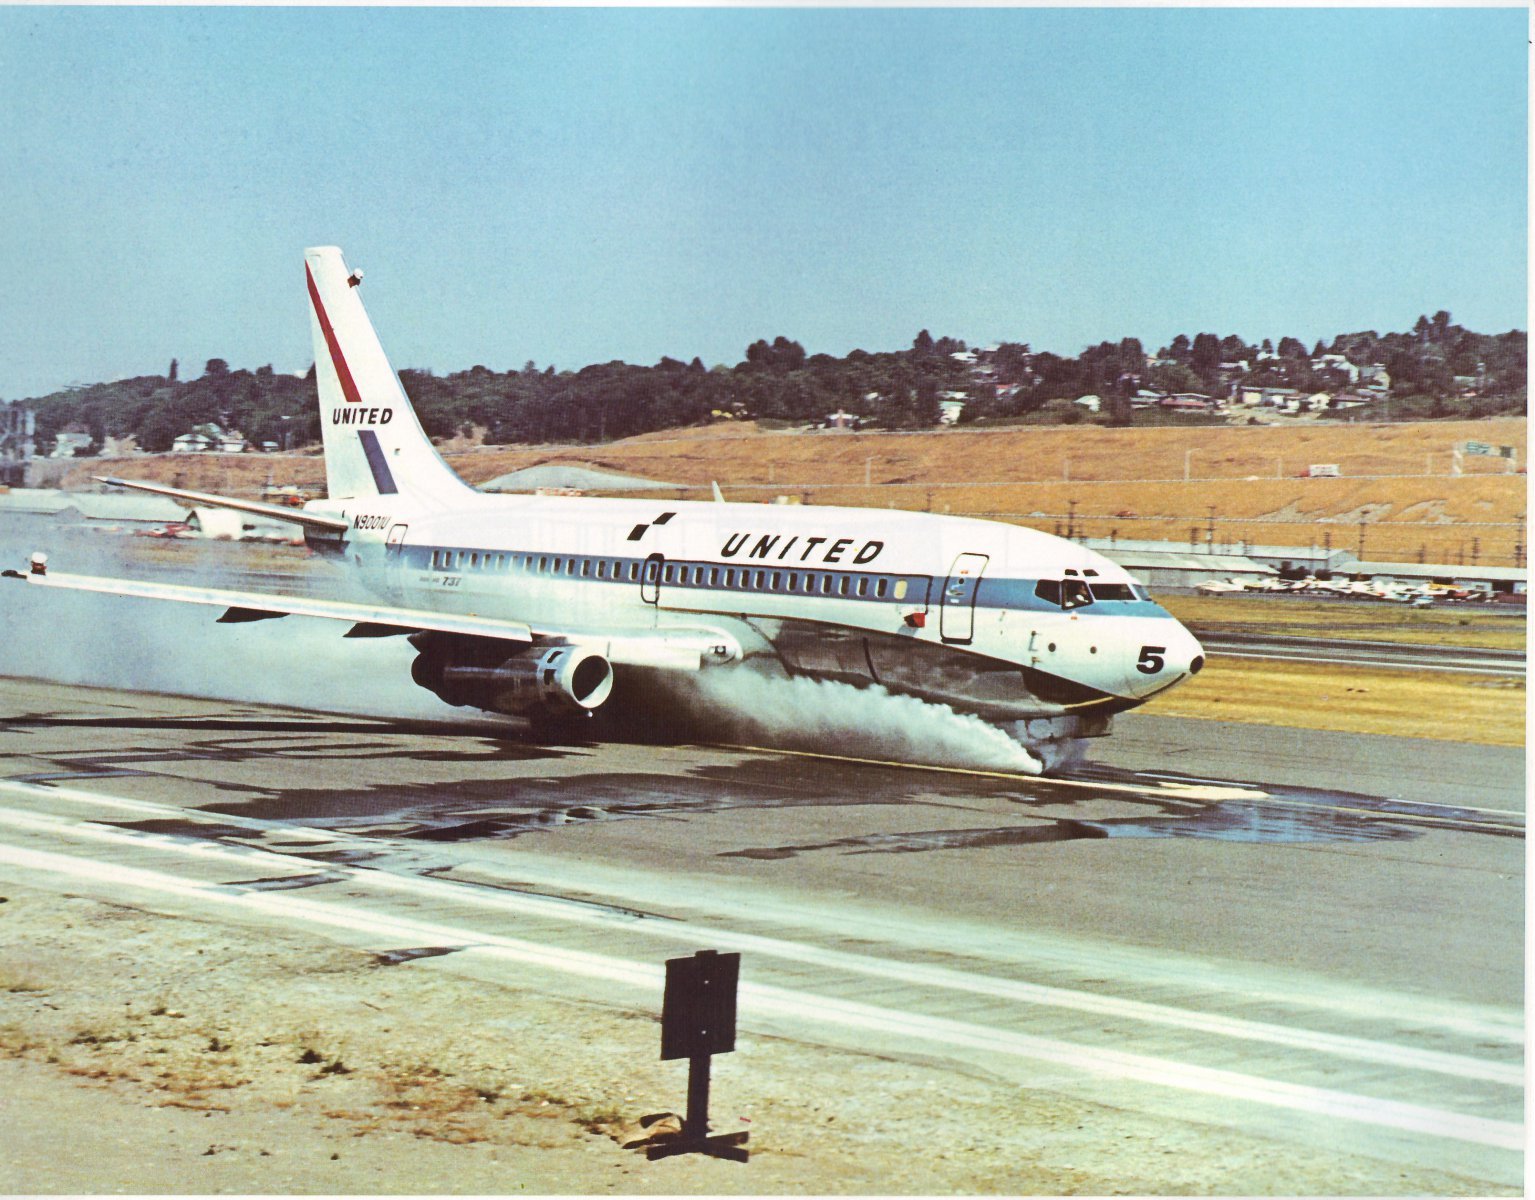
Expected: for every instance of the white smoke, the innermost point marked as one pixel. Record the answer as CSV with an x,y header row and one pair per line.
x,y
155,646
837,718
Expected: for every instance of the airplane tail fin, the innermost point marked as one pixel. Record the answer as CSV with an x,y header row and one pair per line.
x,y
374,444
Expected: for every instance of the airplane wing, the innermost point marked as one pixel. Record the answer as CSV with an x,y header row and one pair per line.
x,y
673,649
368,620
274,512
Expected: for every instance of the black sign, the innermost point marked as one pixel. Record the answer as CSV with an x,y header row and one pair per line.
x,y
698,1012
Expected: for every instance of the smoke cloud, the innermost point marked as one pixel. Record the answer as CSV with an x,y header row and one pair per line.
x,y
837,718
154,646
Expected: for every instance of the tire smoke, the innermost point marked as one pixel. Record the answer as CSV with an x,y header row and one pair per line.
x,y
837,718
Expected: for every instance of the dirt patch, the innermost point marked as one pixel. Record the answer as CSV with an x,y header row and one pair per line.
x,y
144,1053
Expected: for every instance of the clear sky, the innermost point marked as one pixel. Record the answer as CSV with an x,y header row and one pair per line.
x,y
577,185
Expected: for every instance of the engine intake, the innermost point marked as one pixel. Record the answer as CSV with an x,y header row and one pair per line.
x,y
551,681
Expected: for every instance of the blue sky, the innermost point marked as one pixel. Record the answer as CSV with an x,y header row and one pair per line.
x,y
577,185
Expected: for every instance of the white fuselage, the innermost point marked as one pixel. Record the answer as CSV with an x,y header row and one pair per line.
x,y
1003,621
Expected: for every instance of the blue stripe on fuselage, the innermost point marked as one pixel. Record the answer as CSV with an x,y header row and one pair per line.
x,y
1014,594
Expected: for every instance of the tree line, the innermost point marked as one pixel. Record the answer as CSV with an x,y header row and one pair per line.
x,y
778,381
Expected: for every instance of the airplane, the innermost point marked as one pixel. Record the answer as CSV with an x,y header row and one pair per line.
x,y
551,607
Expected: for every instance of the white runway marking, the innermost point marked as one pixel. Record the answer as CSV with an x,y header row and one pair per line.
x,y
766,1000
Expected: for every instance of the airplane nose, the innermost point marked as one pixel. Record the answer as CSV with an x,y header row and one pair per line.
x,y
1175,655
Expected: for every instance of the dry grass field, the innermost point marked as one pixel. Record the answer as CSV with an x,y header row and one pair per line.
x,y
1489,628
1396,497
1455,708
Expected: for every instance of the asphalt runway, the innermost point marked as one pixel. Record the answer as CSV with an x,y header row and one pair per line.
x,y
1316,937
1312,937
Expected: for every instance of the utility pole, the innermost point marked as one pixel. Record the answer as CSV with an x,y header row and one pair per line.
x,y
1071,518
1210,532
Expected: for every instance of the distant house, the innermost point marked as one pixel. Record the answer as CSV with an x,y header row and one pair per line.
x,y
194,443
1091,403
842,420
67,445
209,439
949,411
1336,362
1187,402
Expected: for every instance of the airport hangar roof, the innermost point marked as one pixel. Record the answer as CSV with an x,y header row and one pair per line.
x,y
92,506
1173,560
1249,550
561,475
1417,570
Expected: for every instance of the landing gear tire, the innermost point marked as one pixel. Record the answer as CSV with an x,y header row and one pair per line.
x,y
1043,740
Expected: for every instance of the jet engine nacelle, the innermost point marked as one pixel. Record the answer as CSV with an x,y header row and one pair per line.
x,y
558,680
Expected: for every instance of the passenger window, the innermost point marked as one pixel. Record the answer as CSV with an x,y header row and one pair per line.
x,y
543,562
730,578
714,577
634,571
826,585
671,574
881,586
602,568
776,578
863,587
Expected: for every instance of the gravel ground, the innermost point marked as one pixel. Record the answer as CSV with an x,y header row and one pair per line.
x,y
146,1053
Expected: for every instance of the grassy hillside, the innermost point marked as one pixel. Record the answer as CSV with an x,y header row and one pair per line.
x,y
1396,492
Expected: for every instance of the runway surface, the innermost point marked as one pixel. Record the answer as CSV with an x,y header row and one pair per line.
x,y
1314,937
1349,651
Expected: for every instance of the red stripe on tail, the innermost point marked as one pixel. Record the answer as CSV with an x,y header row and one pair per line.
x,y
338,360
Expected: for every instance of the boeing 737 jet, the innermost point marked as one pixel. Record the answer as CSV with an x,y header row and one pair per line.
x,y
548,607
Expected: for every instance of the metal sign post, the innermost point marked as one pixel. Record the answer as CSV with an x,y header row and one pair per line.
x,y
698,1019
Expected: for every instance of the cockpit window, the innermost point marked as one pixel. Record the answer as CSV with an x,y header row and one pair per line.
x,y
1068,593
1112,591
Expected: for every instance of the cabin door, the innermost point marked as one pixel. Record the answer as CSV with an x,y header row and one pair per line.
x,y
956,620
650,578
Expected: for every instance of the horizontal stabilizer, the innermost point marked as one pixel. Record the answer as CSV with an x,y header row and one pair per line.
x,y
315,522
